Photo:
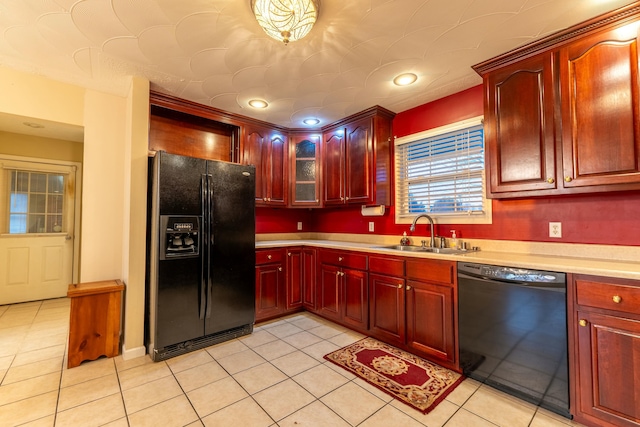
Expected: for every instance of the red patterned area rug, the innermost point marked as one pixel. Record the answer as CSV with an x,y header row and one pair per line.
x,y
408,378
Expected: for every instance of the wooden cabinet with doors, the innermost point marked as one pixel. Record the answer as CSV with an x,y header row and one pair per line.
x,y
521,154
387,299
357,159
301,278
431,310
266,148
342,288
605,337
413,305
305,176
271,298
600,89
562,114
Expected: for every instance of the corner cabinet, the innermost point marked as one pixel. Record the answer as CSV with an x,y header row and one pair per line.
x,y
301,278
266,149
562,114
606,342
357,159
305,158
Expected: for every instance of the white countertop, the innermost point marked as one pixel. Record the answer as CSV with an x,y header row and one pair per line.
x,y
568,264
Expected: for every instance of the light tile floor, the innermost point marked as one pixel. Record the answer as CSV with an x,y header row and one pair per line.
x,y
274,377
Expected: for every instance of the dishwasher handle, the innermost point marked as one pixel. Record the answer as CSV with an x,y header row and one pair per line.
x,y
533,285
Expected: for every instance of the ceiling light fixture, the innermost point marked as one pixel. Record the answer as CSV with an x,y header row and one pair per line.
x,y
405,79
258,103
286,20
311,122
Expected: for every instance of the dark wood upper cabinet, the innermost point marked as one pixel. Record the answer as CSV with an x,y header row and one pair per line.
x,y
267,150
601,109
519,127
357,159
305,166
562,114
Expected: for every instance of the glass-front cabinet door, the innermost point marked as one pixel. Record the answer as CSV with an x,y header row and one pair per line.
x,y
305,170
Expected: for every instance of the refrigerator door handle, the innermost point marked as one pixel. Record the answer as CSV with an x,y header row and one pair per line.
x,y
203,266
209,231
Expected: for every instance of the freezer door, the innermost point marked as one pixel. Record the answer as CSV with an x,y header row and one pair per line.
x,y
176,293
179,189
232,252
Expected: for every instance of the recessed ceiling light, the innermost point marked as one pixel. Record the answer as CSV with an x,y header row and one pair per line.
x,y
258,103
405,79
311,122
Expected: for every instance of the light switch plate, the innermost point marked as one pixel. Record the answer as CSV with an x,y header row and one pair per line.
x,y
299,225
555,229
371,226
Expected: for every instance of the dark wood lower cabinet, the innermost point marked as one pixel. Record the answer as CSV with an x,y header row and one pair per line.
x,y
342,295
430,320
606,325
270,284
387,308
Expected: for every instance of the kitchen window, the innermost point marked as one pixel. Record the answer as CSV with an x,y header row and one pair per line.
x,y
440,172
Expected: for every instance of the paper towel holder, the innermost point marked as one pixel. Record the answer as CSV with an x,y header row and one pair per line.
x,y
377,210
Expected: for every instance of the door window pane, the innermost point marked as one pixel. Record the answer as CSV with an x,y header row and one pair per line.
x,y
36,202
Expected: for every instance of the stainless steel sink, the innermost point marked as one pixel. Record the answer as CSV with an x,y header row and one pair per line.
x,y
426,249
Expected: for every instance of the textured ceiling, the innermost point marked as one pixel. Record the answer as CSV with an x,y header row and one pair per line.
x,y
213,52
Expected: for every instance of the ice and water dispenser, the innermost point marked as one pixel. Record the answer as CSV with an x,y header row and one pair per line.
x,y
181,236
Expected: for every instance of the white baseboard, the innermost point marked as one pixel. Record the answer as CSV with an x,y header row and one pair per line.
x,y
133,353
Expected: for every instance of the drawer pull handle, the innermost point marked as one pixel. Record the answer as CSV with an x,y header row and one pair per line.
x,y
268,256
583,322
617,299
400,286
408,287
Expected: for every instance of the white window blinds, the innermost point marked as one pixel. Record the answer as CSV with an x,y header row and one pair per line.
x,y
441,174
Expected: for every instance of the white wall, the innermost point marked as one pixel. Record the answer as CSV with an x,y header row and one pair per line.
x,y
114,176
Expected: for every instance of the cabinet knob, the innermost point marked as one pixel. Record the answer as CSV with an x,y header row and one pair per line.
x,y
346,198
400,286
279,268
289,253
617,299
339,258
583,322
268,256
342,198
408,287
551,180
568,179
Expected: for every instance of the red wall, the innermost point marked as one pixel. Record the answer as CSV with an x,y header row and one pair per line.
x,y
607,218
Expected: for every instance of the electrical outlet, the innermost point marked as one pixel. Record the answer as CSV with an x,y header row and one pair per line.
x,y
299,225
555,229
371,227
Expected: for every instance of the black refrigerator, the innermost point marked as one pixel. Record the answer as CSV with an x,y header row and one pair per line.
x,y
201,254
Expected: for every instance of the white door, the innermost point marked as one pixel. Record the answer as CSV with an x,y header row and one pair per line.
x,y
37,212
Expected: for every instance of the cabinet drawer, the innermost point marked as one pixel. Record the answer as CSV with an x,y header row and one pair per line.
x,y
268,256
344,259
386,265
432,270
610,296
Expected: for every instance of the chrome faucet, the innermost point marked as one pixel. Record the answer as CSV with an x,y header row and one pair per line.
x,y
413,226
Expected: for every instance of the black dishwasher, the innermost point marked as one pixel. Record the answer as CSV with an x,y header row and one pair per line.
x,y
513,332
